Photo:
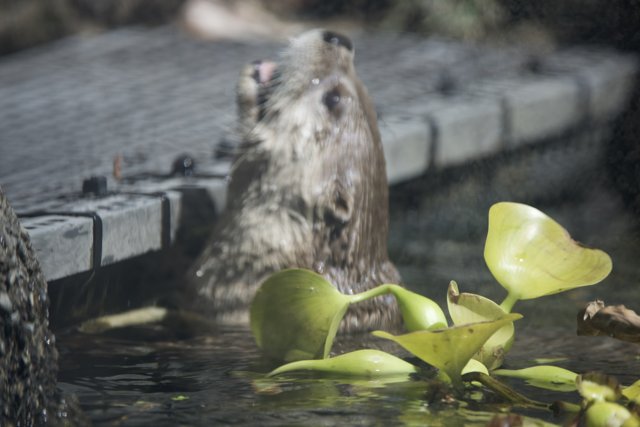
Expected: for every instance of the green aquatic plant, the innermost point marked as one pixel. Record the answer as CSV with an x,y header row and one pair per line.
x,y
543,376
418,312
602,406
449,349
475,366
600,414
467,308
296,313
632,392
531,255
597,387
361,363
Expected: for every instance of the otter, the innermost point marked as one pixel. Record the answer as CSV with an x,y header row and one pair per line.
x,y
308,186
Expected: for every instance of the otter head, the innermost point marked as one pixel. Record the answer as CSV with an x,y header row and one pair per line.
x,y
311,146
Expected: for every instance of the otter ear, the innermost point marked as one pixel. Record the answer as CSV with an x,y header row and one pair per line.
x,y
340,206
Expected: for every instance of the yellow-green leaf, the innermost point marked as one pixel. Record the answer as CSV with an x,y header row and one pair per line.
x,y
295,315
360,363
632,392
596,386
418,312
470,308
609,414
531,255
449,349
543,376
475,366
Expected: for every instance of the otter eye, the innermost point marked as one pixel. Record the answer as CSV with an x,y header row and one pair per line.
x,y
332,99
337,39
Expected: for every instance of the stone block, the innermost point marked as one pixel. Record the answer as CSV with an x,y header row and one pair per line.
x,y
63,244
538,108
610,84
467,129
607,77
407,146
131,225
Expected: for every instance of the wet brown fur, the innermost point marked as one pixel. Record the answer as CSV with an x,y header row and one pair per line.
x,y
308,188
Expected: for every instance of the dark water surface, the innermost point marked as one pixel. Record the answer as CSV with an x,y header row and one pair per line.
x,y
137,377
155,376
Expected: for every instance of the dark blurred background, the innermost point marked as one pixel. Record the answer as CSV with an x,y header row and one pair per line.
x,y
25,23
541,25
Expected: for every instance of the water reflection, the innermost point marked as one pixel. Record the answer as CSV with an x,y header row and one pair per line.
x,y
144,376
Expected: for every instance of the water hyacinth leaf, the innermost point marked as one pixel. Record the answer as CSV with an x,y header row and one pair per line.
x,y
471,308
418,312
360,363
475,366
531,255
545,360
609,414
632,392
596,386
295,315
449,349
543,376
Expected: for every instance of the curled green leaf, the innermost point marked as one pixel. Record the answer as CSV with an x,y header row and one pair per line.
x,y
418,312
295,315
531,255
471,308
632,392
360,363
474,366
449,349
543,376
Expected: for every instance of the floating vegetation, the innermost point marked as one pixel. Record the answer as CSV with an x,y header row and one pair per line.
x,y
296,313
531,255
361,363
450,349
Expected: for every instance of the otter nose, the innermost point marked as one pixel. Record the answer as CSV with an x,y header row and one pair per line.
x,y
337,39
263,71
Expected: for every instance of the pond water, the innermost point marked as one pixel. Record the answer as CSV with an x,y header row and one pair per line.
x,y
158,375
142,377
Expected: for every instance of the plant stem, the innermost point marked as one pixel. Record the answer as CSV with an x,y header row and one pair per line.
x,y
503,390
374,292
455,380
508,302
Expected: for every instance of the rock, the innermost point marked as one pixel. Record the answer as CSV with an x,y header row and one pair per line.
x,y
29,362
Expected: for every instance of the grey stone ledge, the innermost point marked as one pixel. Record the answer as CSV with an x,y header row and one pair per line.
x,y
63,244
132,224
407,147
